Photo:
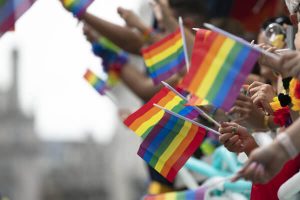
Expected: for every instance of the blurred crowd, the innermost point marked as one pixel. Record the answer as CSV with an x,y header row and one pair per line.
x,y
268,103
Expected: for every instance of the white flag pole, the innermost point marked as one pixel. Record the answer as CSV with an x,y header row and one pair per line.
x,y
187,61
196,107
186,119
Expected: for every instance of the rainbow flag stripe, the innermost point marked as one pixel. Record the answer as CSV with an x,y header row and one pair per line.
x,y
11,11
198,194
165,58
219,68
113,59
95,82
144,119
77,7
110,45
171,143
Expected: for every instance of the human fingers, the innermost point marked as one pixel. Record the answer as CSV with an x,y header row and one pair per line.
x,y
243,104
253,91
243,97
248,173
259,174
224,137
234,144
228,129
255,84
241,119
239,110
240,173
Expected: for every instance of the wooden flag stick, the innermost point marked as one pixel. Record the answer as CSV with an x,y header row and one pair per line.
x,y
196,107
184,43
186,119
218,30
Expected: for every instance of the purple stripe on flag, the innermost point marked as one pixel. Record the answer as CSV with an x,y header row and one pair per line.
x,y
192,114
200,193
152,135
168,74
239,81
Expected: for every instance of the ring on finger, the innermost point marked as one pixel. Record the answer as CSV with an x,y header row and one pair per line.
x,y
234,129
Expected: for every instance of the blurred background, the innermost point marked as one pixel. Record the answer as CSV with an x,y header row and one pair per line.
x,y
59,139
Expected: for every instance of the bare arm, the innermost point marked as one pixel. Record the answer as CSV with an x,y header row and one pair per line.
x,y
293,132
142,85
124,37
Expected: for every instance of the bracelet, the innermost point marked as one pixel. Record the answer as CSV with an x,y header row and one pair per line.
x,y
285,141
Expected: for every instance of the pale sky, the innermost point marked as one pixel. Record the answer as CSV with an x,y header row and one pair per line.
x,y
54,56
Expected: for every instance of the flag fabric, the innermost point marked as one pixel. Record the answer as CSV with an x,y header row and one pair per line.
x,y
11,11
144,119
219,67
165,58
113,59
98,84
198,194
170,144
77,7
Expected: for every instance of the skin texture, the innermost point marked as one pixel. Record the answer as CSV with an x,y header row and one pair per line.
x,y
248,113
124,37
262,95
130,76
236,141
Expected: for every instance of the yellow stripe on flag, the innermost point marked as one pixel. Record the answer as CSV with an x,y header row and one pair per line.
x,y
164,54
173,146
154,120
216,66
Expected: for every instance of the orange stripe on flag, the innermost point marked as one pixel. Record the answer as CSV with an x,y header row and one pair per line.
x,y
137,123
206,64
180,150
162,47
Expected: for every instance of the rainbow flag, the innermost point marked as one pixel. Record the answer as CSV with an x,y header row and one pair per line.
x,y
145,119
219,67
170,144
77,7
113,59
95,82
11,11
198,194
165,58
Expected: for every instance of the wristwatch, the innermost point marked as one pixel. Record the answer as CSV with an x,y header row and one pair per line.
x,y
286,142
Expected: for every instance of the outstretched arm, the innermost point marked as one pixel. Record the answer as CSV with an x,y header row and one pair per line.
x,y
140,84
123,37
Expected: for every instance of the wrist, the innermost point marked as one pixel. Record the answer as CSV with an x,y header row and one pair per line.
x,y
250,147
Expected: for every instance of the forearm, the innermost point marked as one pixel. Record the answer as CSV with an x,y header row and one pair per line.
x,y
140,84
124,37
294,132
